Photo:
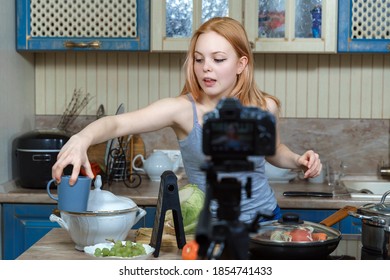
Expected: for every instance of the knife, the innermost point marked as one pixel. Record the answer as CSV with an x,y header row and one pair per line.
x,y
308,194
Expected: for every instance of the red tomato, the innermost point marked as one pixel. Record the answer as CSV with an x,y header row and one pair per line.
x,y
301,235
190,250
96,170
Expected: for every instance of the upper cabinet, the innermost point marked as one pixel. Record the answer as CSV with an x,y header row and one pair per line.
x,y
102,25
364,26
292,26
175,21
277,26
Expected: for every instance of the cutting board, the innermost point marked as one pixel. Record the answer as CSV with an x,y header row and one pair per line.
x,y
143,235
136,147
97,153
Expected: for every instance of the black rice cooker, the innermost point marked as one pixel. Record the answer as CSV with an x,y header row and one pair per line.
x,y
35,153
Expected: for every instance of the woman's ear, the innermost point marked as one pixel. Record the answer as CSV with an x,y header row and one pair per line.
x,y
242,63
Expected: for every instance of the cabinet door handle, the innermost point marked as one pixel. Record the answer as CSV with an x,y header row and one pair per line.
x,y
93,44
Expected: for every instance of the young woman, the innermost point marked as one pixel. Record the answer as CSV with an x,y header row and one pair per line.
x,y
219,64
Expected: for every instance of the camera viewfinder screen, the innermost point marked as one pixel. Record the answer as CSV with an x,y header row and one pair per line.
x,y
232,136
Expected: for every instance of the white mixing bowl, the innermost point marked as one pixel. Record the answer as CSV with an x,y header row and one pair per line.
x,y
89,228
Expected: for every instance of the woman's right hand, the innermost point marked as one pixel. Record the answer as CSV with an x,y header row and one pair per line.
x,y
74,153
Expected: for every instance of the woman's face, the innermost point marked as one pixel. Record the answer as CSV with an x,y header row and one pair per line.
x,y
216,64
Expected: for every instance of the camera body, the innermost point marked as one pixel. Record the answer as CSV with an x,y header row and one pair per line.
x,y
233,131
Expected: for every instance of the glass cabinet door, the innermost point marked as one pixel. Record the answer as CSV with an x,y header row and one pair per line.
x,y
272,19
308,18
292,25
174,21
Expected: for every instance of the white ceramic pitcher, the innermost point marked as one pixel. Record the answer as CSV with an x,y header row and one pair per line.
x,y
156,164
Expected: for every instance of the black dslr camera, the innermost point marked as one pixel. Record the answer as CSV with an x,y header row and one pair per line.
x,y
231,133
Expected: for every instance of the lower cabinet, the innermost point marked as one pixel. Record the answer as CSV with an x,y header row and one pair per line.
x,y
25,224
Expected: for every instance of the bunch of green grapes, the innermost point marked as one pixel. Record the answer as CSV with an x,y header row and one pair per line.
x,y
126,250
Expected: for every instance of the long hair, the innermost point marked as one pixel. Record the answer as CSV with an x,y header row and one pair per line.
x,y
245,89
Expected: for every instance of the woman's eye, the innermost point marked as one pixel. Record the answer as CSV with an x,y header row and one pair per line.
x,y
198,60
219,60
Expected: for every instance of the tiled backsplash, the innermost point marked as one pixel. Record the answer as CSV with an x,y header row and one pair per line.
x,y
361,144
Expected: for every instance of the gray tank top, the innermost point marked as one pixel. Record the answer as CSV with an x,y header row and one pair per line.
x,y
263,198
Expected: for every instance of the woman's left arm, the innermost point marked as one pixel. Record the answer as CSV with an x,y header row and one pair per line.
x,y
309,161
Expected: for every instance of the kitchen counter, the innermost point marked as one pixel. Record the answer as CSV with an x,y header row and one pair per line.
x,y
57,245
147,194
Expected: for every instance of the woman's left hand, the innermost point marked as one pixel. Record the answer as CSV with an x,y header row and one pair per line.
x,y
311,163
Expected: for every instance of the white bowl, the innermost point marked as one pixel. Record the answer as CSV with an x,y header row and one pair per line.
x,y
90,250
273,172
89,228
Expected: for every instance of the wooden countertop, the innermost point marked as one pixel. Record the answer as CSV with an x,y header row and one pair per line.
x,y
57,245
147,193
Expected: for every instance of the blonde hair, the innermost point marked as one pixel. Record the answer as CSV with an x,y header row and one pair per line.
x,y
245,89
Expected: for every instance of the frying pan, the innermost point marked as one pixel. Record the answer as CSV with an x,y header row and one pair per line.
x,y
262,247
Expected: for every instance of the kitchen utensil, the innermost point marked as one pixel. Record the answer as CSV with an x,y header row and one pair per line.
x,y
375,226
102,200
100,112
156,164
111,217
35,153
308,194
90,250
111,145
144,235
118,159
168,200
72,198
89,228
262,246
136,146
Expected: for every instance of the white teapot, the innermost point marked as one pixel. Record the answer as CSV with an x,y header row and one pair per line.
x,y
156,164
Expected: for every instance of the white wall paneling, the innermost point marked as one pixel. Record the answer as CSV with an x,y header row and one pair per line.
x,y
309,86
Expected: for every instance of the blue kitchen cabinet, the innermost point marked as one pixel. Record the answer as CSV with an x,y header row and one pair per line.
x,y
363,26
25,224
148,220
82,25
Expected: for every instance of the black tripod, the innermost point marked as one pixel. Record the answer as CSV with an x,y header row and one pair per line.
x,y
224,237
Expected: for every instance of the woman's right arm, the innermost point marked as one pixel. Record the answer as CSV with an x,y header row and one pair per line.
x,y
166,112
